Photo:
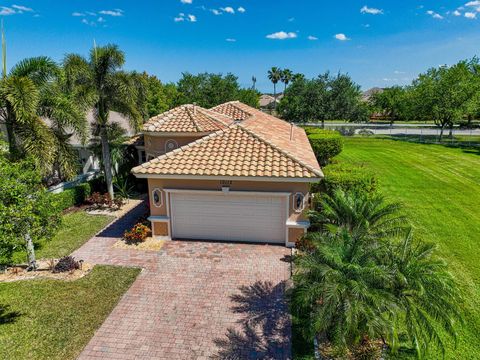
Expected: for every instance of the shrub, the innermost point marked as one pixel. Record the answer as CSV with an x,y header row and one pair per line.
x,y
326,144
347,177
346,130
138,233
104,200
98,185
366,132
73,196
67,263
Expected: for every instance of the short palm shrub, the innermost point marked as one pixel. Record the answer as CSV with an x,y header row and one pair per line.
x,y
364,281
326,144
137,234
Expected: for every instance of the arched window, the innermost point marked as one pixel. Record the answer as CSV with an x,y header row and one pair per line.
x,y
157,197
298,202
170,145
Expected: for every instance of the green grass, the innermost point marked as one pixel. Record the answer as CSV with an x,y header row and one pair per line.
x,y
76,229
440,189
53,319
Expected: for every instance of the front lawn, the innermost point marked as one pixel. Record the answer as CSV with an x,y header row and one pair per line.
x,y
52,319
76,229
440,188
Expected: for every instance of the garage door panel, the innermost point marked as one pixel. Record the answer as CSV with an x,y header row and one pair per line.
x,y
229,217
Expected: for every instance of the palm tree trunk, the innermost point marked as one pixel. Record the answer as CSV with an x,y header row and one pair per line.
x,y
275,96
12,146
107,162
32,262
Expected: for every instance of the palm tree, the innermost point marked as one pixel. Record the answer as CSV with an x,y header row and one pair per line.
x,y
28,95
426,293
254,81
275,75
343,291
360,213
101,79
287,76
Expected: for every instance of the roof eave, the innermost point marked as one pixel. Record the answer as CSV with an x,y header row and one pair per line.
x,y
220,178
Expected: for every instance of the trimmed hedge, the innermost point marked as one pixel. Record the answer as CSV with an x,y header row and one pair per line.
x,y
346,177
71,197
325,144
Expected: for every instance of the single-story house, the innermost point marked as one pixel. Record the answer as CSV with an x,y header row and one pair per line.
x,y
230,173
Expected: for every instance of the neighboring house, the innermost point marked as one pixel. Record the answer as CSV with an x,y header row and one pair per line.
x,y
367,95
267,101
230,173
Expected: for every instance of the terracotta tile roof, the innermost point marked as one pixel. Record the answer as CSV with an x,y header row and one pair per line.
x,y
187,119
282,134
232,110
136,140
235,151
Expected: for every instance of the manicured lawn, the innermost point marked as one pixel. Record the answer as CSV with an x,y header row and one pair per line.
x,y
75,230
440,188
52,319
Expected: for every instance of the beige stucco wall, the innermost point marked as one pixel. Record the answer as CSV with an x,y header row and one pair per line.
x,y
291,187
155,145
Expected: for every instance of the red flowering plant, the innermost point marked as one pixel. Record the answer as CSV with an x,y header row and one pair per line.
x,y
137,234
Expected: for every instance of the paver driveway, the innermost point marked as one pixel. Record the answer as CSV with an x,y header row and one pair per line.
x,y
194,300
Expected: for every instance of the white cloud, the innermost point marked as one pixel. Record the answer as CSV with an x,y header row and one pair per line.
x,y
372,11
282,35
470,15
216,12
192,18
399,72
457,13
241,9
473,3
230,40
178,19
78,14
116,12
341,37
311,37
434,15
366,25
7,11
182,17
291,19
186,1
101,20
229,10
22,8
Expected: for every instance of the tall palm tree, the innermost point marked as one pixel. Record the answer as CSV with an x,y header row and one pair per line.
x,y
275,75
254,81
101,79
287,76
29,94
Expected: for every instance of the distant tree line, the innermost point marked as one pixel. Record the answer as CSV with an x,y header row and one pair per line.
x,y
448,95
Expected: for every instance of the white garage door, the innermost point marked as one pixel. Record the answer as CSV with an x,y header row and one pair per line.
x,y
229,217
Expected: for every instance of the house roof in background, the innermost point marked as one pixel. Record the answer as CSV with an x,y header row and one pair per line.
x,y
187,119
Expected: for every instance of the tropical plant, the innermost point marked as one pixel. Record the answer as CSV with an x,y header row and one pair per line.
x,y
287,77
101,79
275,75
425,293
27,211
360,213
254,81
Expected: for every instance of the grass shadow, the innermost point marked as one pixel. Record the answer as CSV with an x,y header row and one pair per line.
x,y
6,316
264,329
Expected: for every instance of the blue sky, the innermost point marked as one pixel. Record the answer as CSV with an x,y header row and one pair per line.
x,y
378,42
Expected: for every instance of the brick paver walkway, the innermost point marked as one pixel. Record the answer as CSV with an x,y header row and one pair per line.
x,y
194,300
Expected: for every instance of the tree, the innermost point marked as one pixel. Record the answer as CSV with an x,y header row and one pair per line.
x,y
254,81
30,95
324,97
110,89
365,278
287,76
275,75
443,94
159,97
27,212
250,97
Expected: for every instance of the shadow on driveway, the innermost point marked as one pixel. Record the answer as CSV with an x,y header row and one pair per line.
x,y
264,329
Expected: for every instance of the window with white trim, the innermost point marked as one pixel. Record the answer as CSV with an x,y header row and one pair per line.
x,y
157,197
299,200
170,145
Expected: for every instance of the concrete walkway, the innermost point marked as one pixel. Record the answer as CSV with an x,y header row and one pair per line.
x,y
194,300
